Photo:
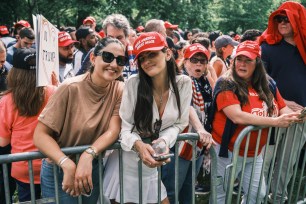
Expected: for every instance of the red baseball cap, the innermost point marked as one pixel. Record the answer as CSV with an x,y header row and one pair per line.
x,y
90,19
196,48
3,30
140,29
150,41
250,49
22,23
102,34
169,25
64,39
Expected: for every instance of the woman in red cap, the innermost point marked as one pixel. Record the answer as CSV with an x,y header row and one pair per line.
x,y
195,66
154,110
246,96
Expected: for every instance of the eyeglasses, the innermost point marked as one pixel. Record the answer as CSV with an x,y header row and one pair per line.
x,y
280,19
194,60
157,126
108,57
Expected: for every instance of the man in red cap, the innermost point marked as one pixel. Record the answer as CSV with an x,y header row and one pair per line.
x,y
169,28
5,35
90,22
19,25
140,29
65,50
284,53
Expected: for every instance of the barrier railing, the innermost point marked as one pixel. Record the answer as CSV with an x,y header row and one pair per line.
x,y
276,172
29,156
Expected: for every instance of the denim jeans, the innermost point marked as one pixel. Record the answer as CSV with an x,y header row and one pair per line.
x,y
184,179
48,188
245,181
24,191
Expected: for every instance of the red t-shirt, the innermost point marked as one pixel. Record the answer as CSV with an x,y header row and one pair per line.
x,y
20,130
255,106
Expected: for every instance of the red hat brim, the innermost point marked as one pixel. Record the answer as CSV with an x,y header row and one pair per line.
x,y
247,54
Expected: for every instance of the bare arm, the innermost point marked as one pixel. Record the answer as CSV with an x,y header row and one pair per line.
x,y
205,137
4,141
293,105
47,145
83,175
211,76
234,113
218,67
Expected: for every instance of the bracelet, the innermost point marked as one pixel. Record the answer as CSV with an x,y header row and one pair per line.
x,y
62,160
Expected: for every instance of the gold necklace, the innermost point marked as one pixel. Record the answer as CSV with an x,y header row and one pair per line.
x,y
160,98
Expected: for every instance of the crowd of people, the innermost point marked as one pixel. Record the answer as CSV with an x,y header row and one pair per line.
x,y
143,87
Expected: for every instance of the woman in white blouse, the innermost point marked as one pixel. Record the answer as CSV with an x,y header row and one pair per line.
x,y
154,108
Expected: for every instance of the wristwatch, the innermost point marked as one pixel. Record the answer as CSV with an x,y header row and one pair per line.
x,y
92,151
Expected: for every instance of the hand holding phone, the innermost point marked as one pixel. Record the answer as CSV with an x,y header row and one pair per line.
x,y
302,114
162,157
161,151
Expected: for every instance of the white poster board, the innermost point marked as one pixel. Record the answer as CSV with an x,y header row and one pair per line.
x,y
46,51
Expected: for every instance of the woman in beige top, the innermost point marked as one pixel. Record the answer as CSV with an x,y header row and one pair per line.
x,y
83,111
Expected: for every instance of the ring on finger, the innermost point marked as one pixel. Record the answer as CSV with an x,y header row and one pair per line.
x,y
68,190
164,163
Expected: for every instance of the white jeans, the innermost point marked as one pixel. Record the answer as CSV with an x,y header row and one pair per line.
x,y
245,181
295,142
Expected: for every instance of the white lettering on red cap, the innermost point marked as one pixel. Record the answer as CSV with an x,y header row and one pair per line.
x,y
145,41
196,47
63,37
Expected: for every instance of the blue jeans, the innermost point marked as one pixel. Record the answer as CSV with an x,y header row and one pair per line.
x,y
48,188
24,191
184,179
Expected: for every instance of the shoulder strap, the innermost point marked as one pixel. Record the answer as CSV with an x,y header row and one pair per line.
x,y
272,87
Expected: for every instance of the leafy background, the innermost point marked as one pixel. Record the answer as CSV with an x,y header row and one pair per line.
x,y
208,15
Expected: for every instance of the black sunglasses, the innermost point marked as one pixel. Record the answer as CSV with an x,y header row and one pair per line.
x,y
280,19
194,60
157,126
108,57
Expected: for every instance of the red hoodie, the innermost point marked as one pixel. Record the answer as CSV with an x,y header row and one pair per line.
x,y
297,17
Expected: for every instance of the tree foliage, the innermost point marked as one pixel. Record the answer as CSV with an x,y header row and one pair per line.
x,y
208,15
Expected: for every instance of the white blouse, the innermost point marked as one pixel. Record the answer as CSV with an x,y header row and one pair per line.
x,y
172,125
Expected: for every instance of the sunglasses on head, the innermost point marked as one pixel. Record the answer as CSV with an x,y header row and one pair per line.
x,y
280,19
108,57
194,60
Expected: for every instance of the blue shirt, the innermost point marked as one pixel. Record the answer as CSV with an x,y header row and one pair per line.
x,y
9,54
285,65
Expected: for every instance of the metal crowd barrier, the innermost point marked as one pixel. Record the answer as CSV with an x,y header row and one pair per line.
x,y
29,156
295,134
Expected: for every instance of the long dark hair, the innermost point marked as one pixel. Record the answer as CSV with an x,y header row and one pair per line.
x,y
259,81
28,99
143,114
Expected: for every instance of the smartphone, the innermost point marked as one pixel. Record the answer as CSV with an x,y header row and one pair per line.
x,y
162,157
303,113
